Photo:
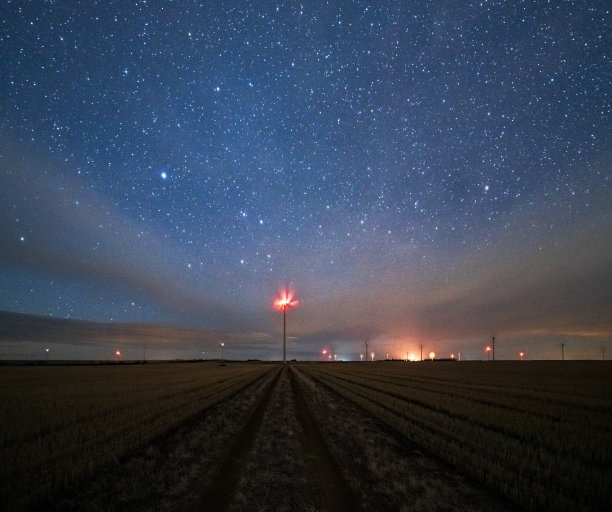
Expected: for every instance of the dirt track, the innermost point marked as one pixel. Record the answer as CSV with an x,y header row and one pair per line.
x,y
317,483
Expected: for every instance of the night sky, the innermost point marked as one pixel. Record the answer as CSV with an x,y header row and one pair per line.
x,y
429,173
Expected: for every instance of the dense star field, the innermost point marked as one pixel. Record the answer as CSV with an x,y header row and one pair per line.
x,y
419,173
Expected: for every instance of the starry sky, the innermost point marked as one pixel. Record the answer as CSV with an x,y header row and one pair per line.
x,y
418,173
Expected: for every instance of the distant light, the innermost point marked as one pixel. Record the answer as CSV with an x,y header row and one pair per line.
x,y
432,355
164,175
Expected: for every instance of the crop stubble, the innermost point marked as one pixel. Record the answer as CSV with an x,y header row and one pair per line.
x,y
338,437
60,426
539,433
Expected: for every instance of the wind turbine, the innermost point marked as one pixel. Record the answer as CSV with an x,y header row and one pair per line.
x,y
284,302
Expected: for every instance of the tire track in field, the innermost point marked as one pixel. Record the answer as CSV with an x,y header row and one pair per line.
x,y
336,493
219,493
244,465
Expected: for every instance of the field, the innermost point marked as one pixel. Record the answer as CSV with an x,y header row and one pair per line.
x,y
60,424
387,436
539,433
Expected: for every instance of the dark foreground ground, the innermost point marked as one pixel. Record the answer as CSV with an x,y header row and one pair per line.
x,y
286,443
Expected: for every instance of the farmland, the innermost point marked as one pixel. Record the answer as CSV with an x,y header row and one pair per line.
x,y
308,436
60,424
539,433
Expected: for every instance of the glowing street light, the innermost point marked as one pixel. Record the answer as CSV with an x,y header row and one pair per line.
x,y
361,356
46,355
521,355
432,355
285,301
372,354
488,349
117,355
222,345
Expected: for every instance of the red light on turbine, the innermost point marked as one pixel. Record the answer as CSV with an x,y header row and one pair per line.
x,y
285,300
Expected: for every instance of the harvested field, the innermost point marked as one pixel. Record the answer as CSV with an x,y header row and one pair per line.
x,y
374,436
61,424
539,433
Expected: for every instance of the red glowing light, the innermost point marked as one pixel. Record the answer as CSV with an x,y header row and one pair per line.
x,y
286,300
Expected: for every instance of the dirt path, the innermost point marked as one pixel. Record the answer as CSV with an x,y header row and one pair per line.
x,y
336,494
279,461
219,493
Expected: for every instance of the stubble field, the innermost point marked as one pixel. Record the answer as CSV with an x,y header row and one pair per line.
x,y
385,436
